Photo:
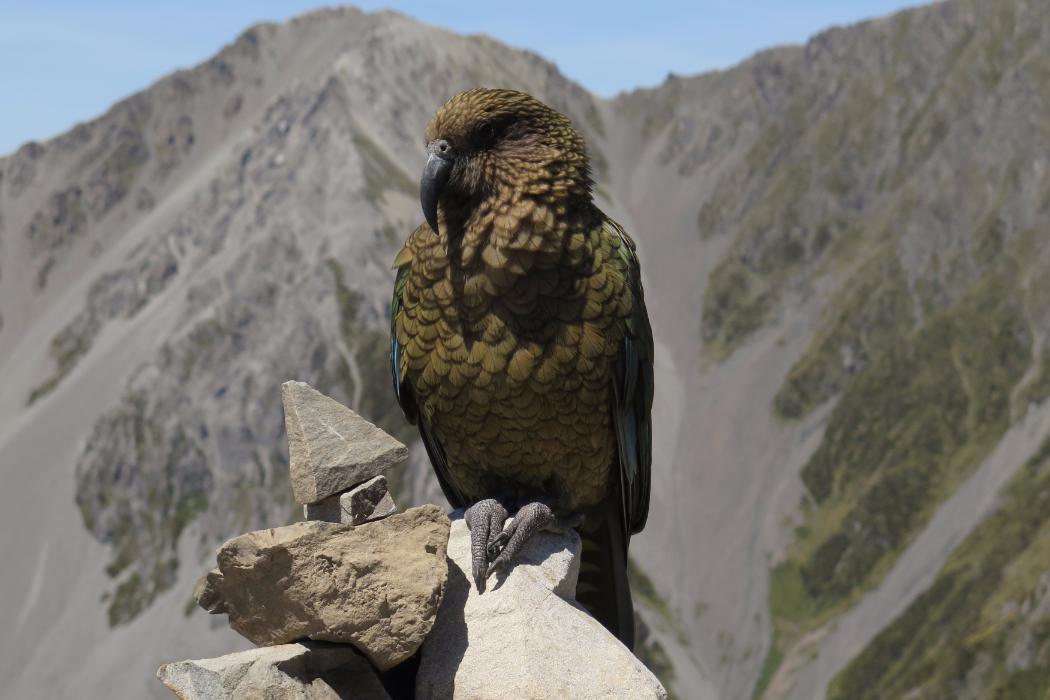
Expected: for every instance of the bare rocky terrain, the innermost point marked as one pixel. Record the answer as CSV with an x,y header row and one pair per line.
x,y
845,260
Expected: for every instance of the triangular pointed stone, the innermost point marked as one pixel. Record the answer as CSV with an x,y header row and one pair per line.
x,y
331,448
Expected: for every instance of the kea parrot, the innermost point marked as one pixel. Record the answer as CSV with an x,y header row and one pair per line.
x,y
521,346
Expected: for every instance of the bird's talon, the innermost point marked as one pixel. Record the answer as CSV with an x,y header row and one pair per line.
x,y
483,519
481,570
530,519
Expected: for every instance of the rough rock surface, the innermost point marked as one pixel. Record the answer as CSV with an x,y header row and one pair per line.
x,y
377,586
368,501
525,637
330,447
306,671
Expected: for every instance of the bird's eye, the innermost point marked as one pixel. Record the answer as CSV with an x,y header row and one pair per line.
x,y
487,133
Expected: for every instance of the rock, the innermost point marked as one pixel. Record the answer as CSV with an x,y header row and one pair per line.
x,y
307,671
331,448
368,501
207,592
525,637
376,586
330,510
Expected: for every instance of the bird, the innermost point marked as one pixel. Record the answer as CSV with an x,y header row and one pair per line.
x,y
521,346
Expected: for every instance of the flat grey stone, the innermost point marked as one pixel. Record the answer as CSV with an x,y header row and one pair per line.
x,y
363,503
331,448
305,671
376,586
525,637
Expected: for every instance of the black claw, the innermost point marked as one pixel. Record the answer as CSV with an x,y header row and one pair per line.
x,y
484,518
481,571
496,545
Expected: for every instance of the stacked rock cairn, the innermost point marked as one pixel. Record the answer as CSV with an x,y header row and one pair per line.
x,y
337,458
340,605
326,632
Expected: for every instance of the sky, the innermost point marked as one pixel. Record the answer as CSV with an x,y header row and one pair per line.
x,y
64,61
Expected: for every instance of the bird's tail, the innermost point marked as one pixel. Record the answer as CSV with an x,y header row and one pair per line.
x,y
603,588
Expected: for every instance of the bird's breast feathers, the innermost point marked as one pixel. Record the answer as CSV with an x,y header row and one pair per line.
x,y
512,369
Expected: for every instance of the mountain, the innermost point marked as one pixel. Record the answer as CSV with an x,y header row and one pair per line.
x,y
859,226
844,254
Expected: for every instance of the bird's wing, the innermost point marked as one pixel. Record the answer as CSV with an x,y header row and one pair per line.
x,y
406,397
402,390
633,391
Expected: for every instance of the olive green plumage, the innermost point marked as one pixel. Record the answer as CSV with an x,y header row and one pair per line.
x,y
520,340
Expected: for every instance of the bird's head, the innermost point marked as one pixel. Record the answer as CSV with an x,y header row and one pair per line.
x,y
491,142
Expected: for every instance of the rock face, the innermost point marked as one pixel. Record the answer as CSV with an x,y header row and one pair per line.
x,y
307,671
330,447
368,501
376,586
525,637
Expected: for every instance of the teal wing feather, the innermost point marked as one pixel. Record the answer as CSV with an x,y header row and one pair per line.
x,y
406,398
403,392
633,386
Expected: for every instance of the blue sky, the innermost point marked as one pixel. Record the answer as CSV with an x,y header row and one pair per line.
x,y
64,61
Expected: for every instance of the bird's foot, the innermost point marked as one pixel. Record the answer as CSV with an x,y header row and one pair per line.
x,y
530,519
485,520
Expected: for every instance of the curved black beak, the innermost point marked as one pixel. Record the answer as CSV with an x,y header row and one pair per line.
x,y
435,177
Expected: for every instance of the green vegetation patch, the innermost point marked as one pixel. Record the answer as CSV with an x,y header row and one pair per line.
x,y
140,504
987,608
114,178
786,209
874,314
774,657
648,650
66,350
645,591
923,408
59,221
1038,390
651,653
737,302
907,429
772,242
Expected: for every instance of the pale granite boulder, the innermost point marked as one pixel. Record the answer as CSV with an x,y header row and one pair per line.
x,y
525,637
306,671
